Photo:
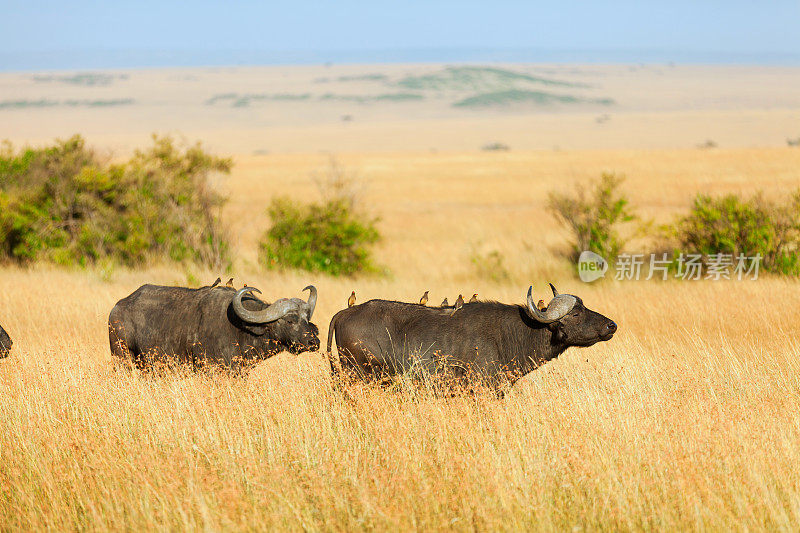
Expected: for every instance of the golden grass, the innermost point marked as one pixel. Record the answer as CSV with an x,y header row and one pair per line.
x,y
689,418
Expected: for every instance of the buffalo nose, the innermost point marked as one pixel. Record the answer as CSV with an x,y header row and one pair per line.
x,y
612,327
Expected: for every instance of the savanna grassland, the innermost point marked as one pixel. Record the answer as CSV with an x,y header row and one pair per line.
x,y
397,107
689,418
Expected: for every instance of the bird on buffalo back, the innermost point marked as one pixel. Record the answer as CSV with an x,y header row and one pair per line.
x,y
541,305
445,303
424,299
459,304
474,298
219,280
352,300
230,283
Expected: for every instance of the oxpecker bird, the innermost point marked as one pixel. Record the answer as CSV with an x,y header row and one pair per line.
x,y
230,283
474,298
445,303
424,299
219,280
352,300
541,305
459,304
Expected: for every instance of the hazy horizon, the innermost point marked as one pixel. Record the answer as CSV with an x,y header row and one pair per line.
x,y
98,59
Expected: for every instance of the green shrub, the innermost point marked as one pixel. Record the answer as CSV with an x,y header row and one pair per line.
x,y
328,237
490,265
519,96
593,215
63,204
748,226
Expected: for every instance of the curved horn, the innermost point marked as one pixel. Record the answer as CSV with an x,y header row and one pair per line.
x,y
558,307
555,292
312,300
270,314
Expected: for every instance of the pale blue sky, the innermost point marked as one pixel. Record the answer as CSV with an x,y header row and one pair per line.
x,y
240,31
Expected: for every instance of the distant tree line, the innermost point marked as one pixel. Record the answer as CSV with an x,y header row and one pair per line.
x,y
67,205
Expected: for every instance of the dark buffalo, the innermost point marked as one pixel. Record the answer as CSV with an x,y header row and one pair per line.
x,y
490,341
209,325
5,343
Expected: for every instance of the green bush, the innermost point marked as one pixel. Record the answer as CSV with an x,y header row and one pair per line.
x,y
490,265
747,226
328,237
594,214
64,204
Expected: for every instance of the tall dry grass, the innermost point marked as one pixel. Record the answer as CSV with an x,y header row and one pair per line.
x,y
689,418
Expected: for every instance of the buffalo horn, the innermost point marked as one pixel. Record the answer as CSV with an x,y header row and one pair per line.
x,y
312,300
270,314
559,306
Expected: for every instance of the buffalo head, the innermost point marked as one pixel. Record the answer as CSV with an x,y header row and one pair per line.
x,y
571,322
287,320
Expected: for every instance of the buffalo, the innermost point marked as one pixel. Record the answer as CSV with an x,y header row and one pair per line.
x,y
492,342
5,343
216,325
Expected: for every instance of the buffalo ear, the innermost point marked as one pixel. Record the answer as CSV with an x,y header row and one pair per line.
x,y
558,331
